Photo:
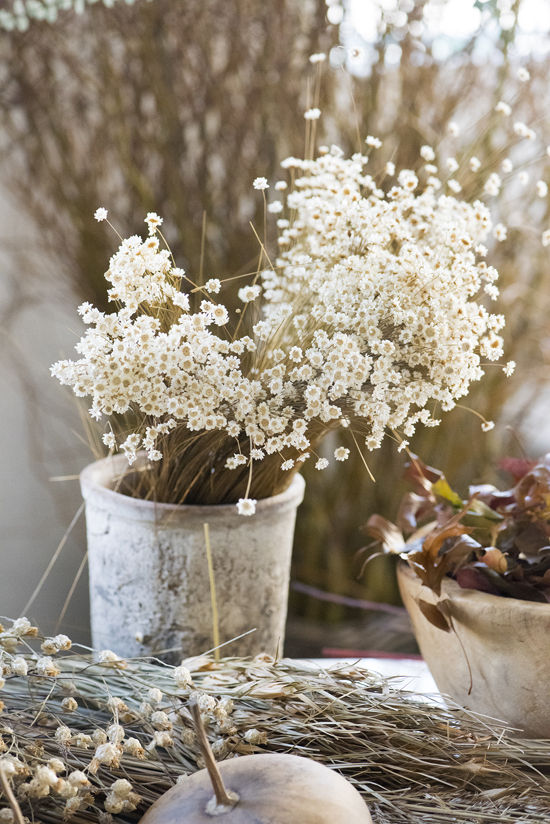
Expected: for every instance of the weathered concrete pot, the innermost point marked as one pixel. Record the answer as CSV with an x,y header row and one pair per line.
x,y
149,582
506,642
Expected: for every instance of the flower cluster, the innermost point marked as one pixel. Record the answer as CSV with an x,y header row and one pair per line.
x,y
82,765
382,285
369,317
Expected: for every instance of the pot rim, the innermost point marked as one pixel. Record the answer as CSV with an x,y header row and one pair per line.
x,y
465,597
95,480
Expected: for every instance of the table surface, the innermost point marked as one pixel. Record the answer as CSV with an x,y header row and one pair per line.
x,y
406,673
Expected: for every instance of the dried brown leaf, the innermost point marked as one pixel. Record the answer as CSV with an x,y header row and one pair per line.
x,y
388,534
434,614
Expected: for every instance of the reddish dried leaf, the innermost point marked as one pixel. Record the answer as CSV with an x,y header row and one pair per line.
x,y
474,578
517,467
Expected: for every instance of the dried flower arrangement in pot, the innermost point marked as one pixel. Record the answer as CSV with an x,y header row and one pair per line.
x,y
368,314
476,583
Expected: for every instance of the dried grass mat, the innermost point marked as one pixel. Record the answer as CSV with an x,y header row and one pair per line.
x,y
99,742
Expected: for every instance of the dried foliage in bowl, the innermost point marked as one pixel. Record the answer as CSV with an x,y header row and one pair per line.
x,y
495,541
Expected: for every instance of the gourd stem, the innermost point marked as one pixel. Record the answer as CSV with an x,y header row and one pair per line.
x,y
222,796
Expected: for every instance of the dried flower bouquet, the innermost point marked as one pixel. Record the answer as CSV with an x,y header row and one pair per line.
x,y
368,320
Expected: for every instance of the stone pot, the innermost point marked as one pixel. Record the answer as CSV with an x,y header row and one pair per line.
x,y
505,641
149,581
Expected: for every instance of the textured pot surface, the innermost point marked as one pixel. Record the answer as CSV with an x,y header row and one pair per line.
x,y
505,641
149,582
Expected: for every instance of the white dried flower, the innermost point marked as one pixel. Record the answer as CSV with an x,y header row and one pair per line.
x,y
99,736
207,703
542,188
69,705
121,787
155,695
246,506
134,748
113,804
487,425
523,74
83,740
509,368
492,185
373,142
110,658
249,293
213,286
162,738
475,164
101,214
500,232
341,453
318,57
153,222
427,153
45,776
275,207
312,114
254,736
182,677
108,754
8,767
546,237
63,734
260,183
19,666
78,779
160,721
453,128
23,627
115,733
322,463
46,666
503,108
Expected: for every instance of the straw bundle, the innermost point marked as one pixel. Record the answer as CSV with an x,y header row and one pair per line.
x,y
107,720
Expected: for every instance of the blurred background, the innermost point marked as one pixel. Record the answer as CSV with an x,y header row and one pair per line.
x,y
175,106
